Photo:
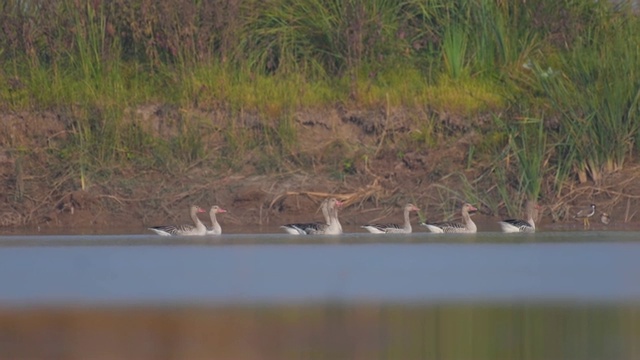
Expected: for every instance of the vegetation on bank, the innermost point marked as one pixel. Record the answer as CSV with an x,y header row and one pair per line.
x,y
560,80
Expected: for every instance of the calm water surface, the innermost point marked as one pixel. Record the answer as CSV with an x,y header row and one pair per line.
x,y
564,295
255,268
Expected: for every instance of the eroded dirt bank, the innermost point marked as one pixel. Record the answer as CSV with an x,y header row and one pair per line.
x,y
375,161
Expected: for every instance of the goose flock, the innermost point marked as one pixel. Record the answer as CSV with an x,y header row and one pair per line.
x,y
332,226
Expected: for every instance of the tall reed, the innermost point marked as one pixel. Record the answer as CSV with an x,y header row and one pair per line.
x,y
597,90
527,140
454,49
322,37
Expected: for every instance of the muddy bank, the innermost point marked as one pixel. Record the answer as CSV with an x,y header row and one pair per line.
x,y
375,161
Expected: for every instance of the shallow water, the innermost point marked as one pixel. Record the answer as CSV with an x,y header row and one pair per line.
x,y
489,295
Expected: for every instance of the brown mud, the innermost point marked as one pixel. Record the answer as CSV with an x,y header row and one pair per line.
x,y
374,161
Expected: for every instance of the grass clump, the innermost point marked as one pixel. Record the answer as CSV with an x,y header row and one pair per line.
x,y
527,147
596,89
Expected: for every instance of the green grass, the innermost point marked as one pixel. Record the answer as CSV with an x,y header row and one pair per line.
x,y
528,149
454,52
